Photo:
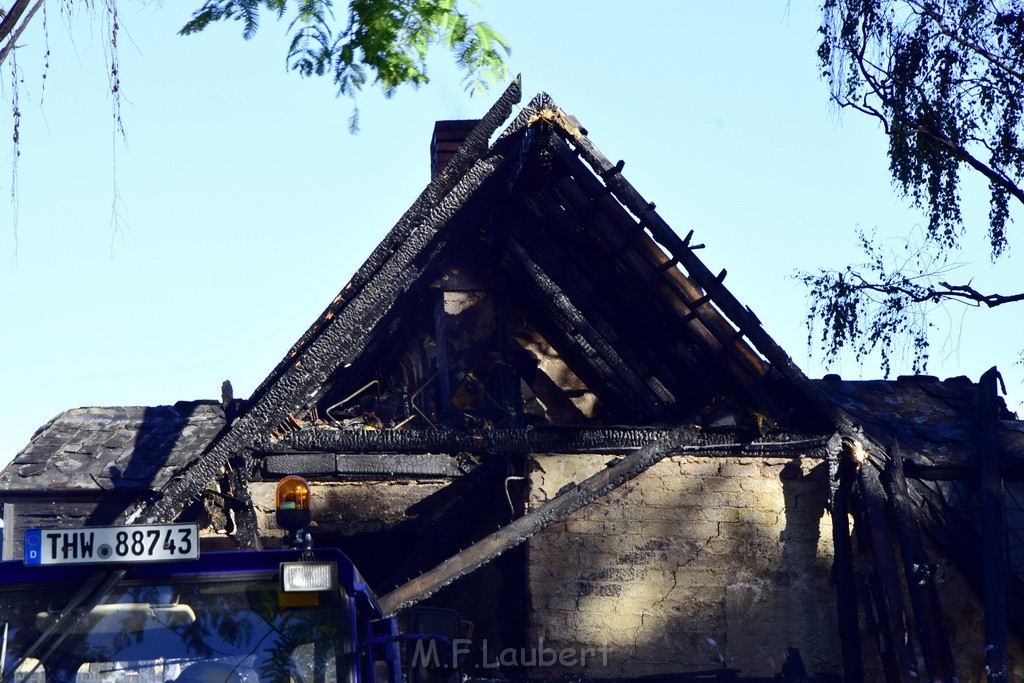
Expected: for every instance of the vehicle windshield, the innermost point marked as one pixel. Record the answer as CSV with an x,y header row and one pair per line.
x,y
238,631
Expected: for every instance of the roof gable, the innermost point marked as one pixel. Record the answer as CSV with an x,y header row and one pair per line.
x,y
574,277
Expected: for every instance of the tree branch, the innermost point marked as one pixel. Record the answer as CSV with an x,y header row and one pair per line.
x,y
935,293
958,151
10,20
969,293
10,23
977,48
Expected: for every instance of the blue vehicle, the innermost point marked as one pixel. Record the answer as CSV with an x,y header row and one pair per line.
x,y
139,604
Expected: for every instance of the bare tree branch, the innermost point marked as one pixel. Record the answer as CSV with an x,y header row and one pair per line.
x,y
17,28
971,294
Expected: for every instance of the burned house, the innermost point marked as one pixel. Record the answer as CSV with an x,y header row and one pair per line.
x,y
534,403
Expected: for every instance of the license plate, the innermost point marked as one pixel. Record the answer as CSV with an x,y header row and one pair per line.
x,y
105,545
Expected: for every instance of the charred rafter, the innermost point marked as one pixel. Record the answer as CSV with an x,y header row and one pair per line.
x,y
747,324
681,303
668,318
627,236
598,350
616,310
528,440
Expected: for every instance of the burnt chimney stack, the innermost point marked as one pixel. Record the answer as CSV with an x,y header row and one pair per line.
x,y
448,136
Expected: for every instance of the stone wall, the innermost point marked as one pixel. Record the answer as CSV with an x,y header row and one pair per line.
x,y
350,507
699,562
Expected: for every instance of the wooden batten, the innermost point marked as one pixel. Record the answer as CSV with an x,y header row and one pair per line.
x,y
993,531
842,476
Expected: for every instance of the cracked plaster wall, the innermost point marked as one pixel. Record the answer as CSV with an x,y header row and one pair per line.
x,y
695,562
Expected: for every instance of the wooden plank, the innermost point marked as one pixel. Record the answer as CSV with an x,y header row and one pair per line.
x,y
917,570
365,466
993,532
681,440
842,476
898,656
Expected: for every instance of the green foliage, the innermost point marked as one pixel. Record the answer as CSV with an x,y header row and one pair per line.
x,y
382,42
946,82
875,306
945,79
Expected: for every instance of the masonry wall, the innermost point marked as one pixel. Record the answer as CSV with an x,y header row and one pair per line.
x,y
696,564
349,507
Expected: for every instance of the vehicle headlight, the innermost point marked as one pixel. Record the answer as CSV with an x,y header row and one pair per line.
x,y
308,577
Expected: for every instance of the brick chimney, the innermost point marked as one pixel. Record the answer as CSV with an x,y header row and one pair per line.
x,y
448,136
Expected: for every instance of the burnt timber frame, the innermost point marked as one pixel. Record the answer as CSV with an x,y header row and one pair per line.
x,y
526,440
347,326
883,587
842,475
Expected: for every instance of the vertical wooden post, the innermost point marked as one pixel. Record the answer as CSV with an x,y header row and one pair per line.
x,y
924,595
993,530
841,480
898,655
444,390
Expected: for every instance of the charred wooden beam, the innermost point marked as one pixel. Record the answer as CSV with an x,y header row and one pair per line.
x,y
841,476
678,441
532,440
1010,470
919,574
898,656
993,530
556,252
742,368
604,357
724,333
246,526
364,466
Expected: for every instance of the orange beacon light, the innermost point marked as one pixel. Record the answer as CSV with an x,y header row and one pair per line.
x,y
293,511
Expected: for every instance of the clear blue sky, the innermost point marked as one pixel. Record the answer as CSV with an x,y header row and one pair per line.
x,y
246,204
